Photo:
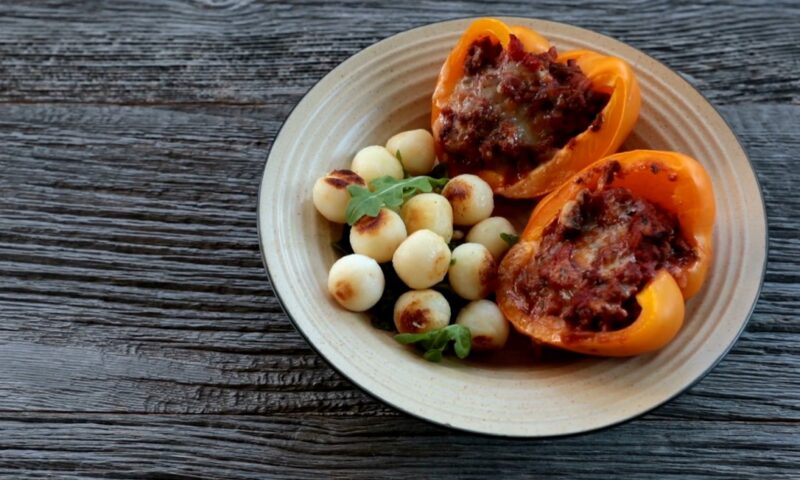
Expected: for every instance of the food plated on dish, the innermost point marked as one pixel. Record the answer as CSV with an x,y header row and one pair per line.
x,y
523,389
614,244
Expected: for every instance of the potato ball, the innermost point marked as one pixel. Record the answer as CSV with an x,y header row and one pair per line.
x,y
487,233
471,198
330,193
488,327
420,311
378,237
416,150
422,259
356,282
429,211
375,162
472,271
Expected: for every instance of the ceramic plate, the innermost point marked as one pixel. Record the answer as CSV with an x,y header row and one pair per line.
x,y
385,89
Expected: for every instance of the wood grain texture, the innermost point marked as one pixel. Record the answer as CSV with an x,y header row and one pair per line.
x,y
139,335
238,447
248,52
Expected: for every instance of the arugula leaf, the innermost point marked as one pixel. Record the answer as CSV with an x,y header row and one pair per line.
x,y
433,355
463,343
386,192
510,239
435,341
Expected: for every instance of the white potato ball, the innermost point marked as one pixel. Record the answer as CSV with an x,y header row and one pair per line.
x,y
487,233
375,162
421,261
429,211
421,311
416,150
472,271
378,237
356,282
486,323
330,193
471,198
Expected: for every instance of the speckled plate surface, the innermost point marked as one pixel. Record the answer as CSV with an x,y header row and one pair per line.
x,y
385,89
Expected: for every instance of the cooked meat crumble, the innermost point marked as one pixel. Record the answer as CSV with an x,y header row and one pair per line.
x,y
597,255
513,110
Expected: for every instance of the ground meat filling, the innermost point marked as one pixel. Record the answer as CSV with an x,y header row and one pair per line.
x,y
513,110
592,260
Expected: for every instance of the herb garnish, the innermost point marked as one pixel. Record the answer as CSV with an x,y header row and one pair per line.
x,y
435,341
386,192
509,238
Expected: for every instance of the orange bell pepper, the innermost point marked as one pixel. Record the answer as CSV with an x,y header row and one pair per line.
x,y
670,180
607,74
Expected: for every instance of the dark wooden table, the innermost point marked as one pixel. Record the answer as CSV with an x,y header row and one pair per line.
x,y
139,336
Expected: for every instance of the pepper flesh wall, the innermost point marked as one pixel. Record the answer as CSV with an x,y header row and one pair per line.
x,y
636,228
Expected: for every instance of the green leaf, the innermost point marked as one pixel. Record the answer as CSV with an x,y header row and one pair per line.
x,y
407,338
386,192
439,183
436,341
510,239
441,339
433,355
463,342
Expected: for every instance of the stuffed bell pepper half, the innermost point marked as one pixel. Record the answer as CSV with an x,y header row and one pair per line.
x,y
609,258
512,110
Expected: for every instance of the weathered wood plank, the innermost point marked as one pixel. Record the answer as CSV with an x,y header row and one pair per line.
x,y
139,336
269,53
132,280
234,447
753,383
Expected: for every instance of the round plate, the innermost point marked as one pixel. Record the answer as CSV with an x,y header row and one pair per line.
x,y
385,89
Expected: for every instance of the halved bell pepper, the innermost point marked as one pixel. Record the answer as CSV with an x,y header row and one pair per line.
x,y
607,74
673,181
